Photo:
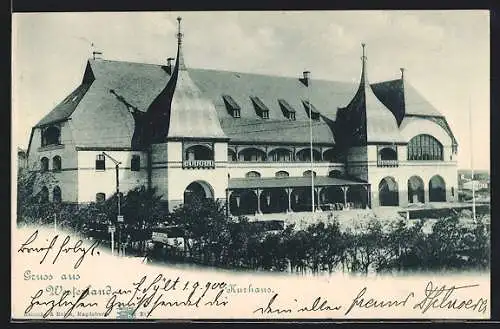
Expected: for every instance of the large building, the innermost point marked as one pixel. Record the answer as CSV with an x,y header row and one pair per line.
x,y
245,138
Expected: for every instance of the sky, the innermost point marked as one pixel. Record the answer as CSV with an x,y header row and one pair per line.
x,y
445,55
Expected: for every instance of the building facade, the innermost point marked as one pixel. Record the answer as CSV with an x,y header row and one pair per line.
x,y
245,138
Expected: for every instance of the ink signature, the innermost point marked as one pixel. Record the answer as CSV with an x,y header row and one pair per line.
x,y
66,247
63,301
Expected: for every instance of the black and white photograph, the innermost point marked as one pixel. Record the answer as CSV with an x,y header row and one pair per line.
x,y
251,165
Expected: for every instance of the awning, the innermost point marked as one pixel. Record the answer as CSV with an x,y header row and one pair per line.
x,y
283,182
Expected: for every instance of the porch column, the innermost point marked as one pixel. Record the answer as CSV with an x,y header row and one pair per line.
x,y
289,192
368,196
259,192
318,192
228,197
344,189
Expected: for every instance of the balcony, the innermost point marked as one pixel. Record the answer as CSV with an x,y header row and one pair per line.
x,y
198,164
387,163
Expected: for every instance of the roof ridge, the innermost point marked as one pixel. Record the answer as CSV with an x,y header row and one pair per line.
x,y
124,62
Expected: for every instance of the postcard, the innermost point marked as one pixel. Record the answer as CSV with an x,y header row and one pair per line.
x,y
250,165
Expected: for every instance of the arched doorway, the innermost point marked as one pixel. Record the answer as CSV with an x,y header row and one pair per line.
x,y
388,192
437,189
197,191
415,190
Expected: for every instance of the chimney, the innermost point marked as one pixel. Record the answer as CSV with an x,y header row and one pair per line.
x,y
306,78
169,65
97,55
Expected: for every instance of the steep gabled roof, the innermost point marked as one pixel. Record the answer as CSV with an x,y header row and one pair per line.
x,y
120,87
368,119
403,99
64,109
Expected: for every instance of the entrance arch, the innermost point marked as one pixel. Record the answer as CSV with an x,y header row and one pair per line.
x,y
416,190
197,191
388,192
437,189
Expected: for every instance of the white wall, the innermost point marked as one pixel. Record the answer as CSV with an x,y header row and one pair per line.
x,y
269,169
406,169
91,181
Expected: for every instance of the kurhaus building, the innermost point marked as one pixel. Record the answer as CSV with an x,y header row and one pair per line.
x,y
245,138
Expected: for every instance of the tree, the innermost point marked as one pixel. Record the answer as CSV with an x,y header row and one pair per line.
x,y
142,208
204,225
370,244
33,206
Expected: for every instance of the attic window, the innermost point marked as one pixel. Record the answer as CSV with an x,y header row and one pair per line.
x,y
287,109
233,107
260,107
311,110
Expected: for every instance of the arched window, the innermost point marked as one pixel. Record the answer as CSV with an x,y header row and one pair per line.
x,y
100,197
282,173
252,174
307,173
280,155
51,136
388,153
252,154
332,155
305,155
56,163
44,164
231,155
198,152
335,173
425,147
44,195
56,194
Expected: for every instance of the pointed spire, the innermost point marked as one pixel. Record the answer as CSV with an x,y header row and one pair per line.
x,y
364,73
402,73
180,35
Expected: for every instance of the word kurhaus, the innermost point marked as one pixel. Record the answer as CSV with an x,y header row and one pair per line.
x,y
234,289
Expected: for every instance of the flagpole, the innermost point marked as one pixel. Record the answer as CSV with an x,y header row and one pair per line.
x,y
311,145
472,164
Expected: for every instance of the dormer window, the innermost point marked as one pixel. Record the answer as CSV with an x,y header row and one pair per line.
x,y
287,109
311,110
260,108
232,107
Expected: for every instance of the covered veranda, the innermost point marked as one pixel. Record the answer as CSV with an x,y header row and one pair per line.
x,y
251,196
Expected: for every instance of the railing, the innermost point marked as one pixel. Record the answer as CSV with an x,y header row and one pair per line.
x,y
387,163
198,164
